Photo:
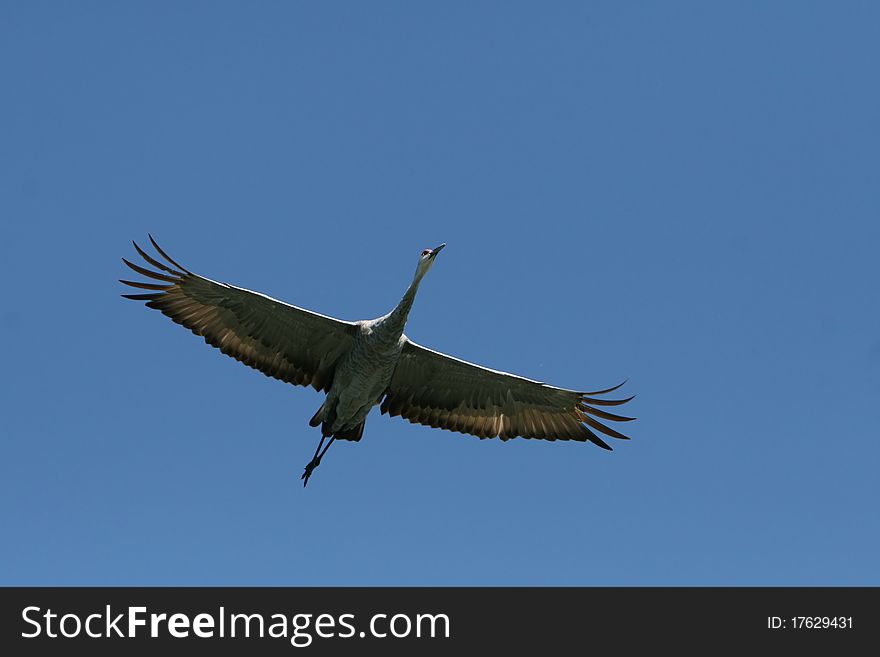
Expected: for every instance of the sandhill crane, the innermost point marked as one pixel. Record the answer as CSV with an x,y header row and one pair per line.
x,y
369,362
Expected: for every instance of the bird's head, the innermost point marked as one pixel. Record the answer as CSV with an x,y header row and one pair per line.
x,y
426,260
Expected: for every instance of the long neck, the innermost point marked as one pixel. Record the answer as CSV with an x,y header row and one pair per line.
x,y
396,320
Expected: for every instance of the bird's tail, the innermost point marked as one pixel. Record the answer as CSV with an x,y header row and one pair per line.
x,y
326,417
352,434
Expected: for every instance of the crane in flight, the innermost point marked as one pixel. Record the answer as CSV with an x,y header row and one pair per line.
x,y
369,362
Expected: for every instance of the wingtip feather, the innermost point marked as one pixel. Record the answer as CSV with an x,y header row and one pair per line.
x,y
165,255
607,390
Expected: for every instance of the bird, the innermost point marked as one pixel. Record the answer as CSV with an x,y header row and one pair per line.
x,y
362,364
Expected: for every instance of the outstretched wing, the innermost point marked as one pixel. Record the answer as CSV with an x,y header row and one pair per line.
x,y
282,341
447,393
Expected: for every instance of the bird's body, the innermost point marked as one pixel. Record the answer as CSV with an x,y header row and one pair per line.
x,y
361,378
365,363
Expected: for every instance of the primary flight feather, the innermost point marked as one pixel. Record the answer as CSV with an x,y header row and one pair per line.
x,y
369,362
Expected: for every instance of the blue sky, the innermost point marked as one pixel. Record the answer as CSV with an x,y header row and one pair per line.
x,y
682,194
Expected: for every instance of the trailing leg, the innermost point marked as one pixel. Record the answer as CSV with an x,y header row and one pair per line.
x,y
316,459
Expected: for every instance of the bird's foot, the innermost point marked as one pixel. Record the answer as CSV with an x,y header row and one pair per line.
x,y
310,466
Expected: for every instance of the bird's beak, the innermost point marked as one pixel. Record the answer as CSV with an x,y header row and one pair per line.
x,y
438,250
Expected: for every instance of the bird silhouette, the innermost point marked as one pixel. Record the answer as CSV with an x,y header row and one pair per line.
x,y
364,363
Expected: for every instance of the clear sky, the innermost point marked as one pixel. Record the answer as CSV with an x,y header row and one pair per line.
x,y
683,194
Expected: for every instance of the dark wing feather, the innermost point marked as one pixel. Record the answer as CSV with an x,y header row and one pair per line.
x,y
282,341
440,391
